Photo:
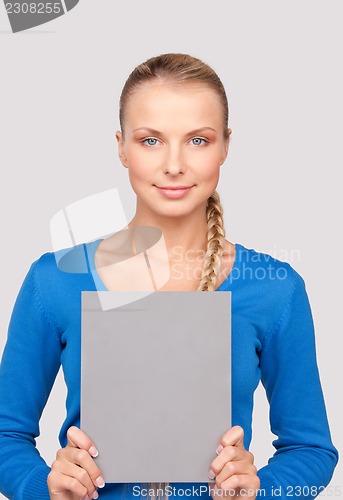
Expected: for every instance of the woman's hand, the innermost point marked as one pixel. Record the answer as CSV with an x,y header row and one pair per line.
x,y
233,469
74,474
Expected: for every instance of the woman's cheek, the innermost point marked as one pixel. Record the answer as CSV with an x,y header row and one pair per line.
x,y
208,170
144,162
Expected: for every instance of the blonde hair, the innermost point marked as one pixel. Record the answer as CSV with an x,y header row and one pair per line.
x,y
181,69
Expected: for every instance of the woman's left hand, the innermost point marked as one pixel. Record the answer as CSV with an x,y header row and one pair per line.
x,y
233,469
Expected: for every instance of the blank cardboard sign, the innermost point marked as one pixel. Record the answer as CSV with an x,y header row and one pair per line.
x,y
156,382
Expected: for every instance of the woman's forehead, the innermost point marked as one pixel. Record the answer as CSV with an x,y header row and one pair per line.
x,y
159,87
191,99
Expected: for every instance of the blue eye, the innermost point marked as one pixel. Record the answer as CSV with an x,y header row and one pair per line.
x,y
149,139
198,139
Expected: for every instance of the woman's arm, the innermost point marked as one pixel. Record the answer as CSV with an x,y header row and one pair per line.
x,y
30,363
305,457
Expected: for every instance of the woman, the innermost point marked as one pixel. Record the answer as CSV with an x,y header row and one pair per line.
x,y
174,134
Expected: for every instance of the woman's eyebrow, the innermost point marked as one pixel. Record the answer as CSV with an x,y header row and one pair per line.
x,y
153,131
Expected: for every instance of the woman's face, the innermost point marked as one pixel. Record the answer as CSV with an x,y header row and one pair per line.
x,y
173,137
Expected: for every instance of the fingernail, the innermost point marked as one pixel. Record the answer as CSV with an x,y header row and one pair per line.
x,y
211,474
219,449
93,451
95,495
100,482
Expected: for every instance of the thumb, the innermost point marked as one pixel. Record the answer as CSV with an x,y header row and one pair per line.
x,y
233,437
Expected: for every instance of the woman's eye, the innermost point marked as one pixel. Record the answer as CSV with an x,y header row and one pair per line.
x,y
151,141
197,141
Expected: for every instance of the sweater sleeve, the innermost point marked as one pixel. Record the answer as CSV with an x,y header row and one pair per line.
x,y
29,366
305,457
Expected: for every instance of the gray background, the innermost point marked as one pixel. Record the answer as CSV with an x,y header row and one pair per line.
x,y
280,186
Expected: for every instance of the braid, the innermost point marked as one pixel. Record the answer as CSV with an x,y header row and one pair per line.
x,y
215,244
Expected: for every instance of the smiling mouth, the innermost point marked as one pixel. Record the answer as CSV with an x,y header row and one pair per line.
x,y
174,192
169,188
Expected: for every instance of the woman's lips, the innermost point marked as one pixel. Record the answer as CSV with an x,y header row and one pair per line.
x,y
174,193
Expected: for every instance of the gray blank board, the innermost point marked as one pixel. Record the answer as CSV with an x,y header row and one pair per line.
x,y
156,382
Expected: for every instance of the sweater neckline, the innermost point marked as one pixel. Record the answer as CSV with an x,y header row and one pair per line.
x,y
100,285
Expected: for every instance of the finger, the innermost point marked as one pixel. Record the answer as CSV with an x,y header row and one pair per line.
x,y
233,437
217,493
83,477
245,484
229,454
79,439
82,458
67,456
79,473
234,468
61,485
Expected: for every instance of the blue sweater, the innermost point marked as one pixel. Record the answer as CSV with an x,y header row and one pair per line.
x,y
272,341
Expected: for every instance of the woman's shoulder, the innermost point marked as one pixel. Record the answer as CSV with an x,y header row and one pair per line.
x,y
62,267
72,259
266,272
266,287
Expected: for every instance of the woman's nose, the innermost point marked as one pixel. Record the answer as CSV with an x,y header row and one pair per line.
x,y
174,162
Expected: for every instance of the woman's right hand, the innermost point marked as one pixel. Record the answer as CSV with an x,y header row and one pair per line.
x,y
74,474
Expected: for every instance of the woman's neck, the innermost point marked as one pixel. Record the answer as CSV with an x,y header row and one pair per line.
x,y
179,235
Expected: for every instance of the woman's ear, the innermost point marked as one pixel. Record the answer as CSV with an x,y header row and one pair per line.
x,y
122,156
226,146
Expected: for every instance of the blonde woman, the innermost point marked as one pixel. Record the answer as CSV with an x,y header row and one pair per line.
x,y
174,139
